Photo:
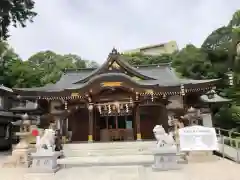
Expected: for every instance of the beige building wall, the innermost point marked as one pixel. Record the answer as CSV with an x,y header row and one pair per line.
x,y
166,48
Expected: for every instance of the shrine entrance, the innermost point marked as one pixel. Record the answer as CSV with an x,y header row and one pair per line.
x,y
114,125
116,128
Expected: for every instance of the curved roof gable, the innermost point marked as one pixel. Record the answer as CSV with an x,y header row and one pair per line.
x,y
115,60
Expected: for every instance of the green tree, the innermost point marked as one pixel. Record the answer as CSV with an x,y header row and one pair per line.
x,y
221,46
51,65
7,58
91,64
141,59
15,12
21,75
193,63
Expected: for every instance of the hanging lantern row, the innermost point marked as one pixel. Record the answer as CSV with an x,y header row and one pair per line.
x,y
60,97
198,89
65,105
152,98
113,107
131,100
182,90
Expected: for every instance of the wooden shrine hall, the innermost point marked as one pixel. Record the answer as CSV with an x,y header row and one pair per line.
x,y
117,101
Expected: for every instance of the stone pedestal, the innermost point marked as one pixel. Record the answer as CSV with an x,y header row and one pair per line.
x,y
201,156
165,158
45,162
20,155
182,158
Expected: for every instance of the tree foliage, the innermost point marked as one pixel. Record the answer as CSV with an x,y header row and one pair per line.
x,y
40,69
15,12
193,63
217,55
141,59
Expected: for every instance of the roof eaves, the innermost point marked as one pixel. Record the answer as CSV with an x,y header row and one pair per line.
x,y
215,99
4,88
191,81
76,86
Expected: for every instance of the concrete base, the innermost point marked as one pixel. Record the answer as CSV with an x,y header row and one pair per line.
x,y
19,158
201,156
182,158
45,162
165,158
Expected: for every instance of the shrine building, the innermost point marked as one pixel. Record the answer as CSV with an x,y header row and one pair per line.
x,y
117,101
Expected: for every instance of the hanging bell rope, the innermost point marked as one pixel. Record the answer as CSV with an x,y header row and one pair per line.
x,y
127,108
109,109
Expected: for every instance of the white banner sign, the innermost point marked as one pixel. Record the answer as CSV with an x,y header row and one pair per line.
x,y
198,138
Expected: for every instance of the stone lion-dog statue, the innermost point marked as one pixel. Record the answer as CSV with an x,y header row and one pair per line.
x,y
163,138
47,141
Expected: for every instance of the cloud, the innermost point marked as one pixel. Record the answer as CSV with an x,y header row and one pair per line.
x,y
91,28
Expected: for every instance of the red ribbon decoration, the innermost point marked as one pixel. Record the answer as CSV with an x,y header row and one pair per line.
x,y
35,132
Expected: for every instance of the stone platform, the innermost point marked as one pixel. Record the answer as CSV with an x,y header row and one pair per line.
x,y
45,162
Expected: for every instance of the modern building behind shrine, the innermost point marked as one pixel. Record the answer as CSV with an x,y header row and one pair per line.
x,y
117,101
156,49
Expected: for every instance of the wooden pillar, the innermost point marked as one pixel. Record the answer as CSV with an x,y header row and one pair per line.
x,y
138,127
106,121
116,122
90,126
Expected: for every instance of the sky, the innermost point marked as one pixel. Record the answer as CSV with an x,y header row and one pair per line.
x,y
91,28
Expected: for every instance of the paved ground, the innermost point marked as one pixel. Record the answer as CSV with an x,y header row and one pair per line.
x,y
219,170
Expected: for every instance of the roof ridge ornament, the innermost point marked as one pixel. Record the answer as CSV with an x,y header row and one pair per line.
x,y
114,51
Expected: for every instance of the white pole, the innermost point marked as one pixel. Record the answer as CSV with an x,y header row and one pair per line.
x,y
37,140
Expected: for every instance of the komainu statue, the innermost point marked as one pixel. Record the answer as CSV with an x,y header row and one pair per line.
x,y
163,138
165,154
47,141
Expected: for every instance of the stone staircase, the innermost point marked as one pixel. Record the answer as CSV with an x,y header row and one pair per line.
x,y
109,154
108,149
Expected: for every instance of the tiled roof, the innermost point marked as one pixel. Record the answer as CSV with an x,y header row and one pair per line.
x,y
161,75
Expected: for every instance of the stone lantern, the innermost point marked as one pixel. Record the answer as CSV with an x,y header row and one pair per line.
x,y
21,153
192,116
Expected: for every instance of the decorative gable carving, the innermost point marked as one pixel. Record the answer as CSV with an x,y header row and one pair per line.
x,y
113,66
115,63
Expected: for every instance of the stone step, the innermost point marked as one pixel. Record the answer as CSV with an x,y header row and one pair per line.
x,y
110,148
106,160
110,145
110,160
110,152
